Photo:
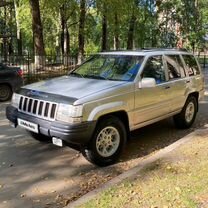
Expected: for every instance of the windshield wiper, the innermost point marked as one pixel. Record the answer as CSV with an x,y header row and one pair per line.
x,y
96,77
76,74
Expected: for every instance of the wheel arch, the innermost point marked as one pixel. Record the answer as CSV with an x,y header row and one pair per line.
x,y
121,115
196,95
7,84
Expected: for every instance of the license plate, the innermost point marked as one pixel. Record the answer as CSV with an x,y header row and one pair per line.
x,y
57,142
28,125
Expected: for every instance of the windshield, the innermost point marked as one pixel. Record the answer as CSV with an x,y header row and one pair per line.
x,y
110,67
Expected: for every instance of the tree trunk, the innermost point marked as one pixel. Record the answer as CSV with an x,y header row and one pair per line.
x,y
130,40
104,30
81,35
19,34
116,32
38,33
62,33
5,45
66,46
65,37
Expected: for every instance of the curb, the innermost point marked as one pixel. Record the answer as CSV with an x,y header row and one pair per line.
x,y
134,171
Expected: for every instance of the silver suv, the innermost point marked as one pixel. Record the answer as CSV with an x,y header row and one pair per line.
x,y
94,108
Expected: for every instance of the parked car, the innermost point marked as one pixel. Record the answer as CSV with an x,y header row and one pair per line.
x,y
95,107
10,81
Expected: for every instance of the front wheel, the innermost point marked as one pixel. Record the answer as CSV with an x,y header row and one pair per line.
x,y
107,142
186,117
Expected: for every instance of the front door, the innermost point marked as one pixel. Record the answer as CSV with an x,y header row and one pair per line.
x,y
152,103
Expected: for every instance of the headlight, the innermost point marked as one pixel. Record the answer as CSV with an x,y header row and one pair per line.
x,y
15,100
69,113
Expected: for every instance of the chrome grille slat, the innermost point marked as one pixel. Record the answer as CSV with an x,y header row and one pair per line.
x,y
27,106
43,109
38,108
32,105
38,105
49,111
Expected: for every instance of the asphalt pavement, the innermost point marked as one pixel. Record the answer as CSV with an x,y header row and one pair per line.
x,y
39,175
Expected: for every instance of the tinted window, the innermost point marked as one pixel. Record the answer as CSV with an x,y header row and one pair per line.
x,y
175,67
154,69
191,64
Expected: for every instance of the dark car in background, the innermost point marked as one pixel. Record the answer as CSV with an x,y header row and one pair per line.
x,y
11,79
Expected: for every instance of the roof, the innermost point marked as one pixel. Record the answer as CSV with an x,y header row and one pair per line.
x,y
143,52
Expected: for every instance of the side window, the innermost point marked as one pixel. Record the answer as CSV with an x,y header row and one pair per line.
x,y
191,64
174,66
154,69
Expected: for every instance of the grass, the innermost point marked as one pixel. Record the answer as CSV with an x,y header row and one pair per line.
x,y
178,180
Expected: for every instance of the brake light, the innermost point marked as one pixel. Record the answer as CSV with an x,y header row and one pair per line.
x,y
20,72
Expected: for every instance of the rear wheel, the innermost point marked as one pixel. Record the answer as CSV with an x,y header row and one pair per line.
x,y
39,137
107,142
187,116
5,92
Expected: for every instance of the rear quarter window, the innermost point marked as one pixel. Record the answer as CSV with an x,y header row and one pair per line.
x,y
191,64
174,66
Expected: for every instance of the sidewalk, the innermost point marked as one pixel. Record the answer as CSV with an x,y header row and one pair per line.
x,y
176,176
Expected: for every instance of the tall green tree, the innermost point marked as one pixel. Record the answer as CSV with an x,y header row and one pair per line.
x,y
19,32
81,35
37,32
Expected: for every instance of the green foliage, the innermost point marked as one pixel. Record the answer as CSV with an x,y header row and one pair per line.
x,y
25,20
161,25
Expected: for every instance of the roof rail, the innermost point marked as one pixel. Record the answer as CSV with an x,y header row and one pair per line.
x,y
163,49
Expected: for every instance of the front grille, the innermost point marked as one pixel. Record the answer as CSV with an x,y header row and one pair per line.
x,y
39,108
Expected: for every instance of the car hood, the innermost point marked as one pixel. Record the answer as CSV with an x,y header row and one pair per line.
x,y
75,87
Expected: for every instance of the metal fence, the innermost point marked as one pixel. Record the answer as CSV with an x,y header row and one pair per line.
x,y
203,60
54,66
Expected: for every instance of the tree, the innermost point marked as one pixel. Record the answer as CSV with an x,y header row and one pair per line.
x,y
19,33
37,32
65,39
104,30
81,35
132,22
78,27
116,32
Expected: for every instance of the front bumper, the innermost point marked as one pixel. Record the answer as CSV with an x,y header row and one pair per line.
x,y
77,134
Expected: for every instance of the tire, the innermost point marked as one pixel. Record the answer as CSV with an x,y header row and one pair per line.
x,y
186,117
100,151
39,137
5,92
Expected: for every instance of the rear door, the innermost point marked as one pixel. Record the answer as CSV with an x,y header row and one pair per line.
x,y
177,81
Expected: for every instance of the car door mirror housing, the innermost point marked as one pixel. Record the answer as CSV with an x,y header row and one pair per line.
x,y
147,82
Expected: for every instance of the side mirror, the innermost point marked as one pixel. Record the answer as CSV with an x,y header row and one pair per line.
x,y
147,82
